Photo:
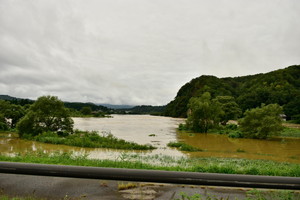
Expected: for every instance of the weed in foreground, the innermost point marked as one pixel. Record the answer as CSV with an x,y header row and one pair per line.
x,y
184,196
126,186
253,194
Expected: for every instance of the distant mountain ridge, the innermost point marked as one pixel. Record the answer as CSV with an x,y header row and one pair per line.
x,y
73,105
281,86
113,106
108,108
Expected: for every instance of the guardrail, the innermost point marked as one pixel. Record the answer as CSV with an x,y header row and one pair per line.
x,y
192,178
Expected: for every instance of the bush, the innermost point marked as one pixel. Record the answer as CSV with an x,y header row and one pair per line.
x,y
232,126
236,134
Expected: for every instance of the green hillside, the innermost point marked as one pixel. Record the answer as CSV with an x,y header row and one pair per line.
x,y
280,86
74,105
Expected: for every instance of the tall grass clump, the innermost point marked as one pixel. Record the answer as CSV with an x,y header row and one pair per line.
x,y
183,147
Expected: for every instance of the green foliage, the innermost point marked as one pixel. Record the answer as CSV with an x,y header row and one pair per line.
x,y
196,196
261,123
46,114
87,110
230,108
231,130
236,134
204,113
255,194
10,114
182,127
78,106
292,109
3,123
296,118
88,139
290,132
280,86
143,109
183,147
4,197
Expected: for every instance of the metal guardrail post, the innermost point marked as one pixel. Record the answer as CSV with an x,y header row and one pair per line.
x,y
192,178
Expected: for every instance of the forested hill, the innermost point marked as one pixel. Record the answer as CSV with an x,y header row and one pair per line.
x,y
280,86
73,105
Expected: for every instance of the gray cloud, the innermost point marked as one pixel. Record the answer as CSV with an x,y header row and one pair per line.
x,y
139,51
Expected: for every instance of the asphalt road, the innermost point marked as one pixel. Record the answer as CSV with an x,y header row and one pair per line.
x,y
72,188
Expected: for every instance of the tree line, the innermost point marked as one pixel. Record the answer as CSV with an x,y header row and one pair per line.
x,y
206,113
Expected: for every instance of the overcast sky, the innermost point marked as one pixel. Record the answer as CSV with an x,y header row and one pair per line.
x,y
139,51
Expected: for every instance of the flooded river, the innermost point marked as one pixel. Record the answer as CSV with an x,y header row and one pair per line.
x,y
158,131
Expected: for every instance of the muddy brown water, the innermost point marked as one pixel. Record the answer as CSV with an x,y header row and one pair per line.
x,y
158,131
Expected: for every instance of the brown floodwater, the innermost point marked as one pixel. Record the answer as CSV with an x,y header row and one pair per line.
x,y
142,129
158,131
278,149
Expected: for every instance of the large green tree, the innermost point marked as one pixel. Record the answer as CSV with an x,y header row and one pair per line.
x,y
262,122
204,113
230,108
4,108
48,113
10,113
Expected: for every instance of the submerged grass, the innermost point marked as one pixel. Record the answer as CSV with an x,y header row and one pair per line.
x,y
183,147
89,139
168,163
